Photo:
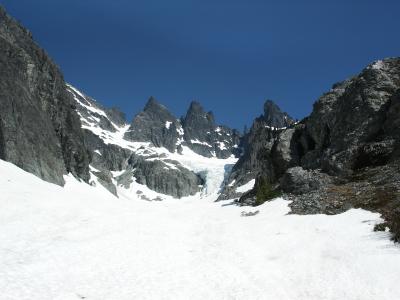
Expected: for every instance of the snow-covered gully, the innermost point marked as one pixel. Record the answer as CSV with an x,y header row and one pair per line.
x,y
80,242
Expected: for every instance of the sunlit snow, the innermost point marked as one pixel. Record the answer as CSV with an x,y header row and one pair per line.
x,y
246,187
81,242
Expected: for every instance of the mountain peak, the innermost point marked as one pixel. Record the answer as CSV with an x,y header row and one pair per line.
x,y
274,116
196,113
152,104
195,107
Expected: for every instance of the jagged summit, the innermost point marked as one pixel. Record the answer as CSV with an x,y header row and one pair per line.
x,y
153,105
274,117
195,106
197,130
155,124
205,137
197,114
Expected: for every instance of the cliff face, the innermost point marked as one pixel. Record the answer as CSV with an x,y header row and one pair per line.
x,y
345,154
197,130
39,128
266,153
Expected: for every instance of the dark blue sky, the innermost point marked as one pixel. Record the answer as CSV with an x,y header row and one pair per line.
x,y
230,55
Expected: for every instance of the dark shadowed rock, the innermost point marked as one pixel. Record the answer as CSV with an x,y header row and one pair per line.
x,y
166,177
345,154
268,151
157,125
39,127
204,137
274,117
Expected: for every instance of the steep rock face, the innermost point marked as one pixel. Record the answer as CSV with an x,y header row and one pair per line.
x,y
157,125
354,133
274,117
267,151
353,127
165,176
119,162
39,128
345,154
204,137
197,130
351,117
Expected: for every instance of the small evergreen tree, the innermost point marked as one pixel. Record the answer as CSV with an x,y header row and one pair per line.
x,y
265,191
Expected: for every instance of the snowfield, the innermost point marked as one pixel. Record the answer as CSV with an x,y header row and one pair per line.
x,y
80,242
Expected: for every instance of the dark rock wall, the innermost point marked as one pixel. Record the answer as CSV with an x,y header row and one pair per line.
x,y
155,124
39,128
204,137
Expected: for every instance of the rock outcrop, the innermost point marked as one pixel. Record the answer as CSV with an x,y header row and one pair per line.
x,y
274,117
120,161
204,137
345,154
40,130
267,150
157,125
197,130
164,176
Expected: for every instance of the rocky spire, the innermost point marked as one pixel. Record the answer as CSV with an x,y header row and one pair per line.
x,y
204,137
274,117
197,119
155,124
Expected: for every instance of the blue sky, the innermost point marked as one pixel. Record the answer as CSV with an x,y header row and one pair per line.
x,y
229,55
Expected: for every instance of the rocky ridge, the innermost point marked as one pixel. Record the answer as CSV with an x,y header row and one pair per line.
x,y
40,130
148,151
50,128
345,154
197,130
265,151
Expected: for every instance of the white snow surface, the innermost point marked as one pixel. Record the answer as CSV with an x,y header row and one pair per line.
x,y
196,141
378,65
246,187
275,128
221,146
80,242
232,183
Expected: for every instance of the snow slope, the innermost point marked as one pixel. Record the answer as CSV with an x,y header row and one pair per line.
x,y
80,242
